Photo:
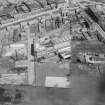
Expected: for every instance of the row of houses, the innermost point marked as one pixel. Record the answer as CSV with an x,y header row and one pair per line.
x,y
14,13
13,79
92,58
39,25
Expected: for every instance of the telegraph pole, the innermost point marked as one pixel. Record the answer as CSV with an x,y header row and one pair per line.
x,y
35,61
30,71
70,44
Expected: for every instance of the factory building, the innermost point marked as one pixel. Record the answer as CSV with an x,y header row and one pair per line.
x,y
90,12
